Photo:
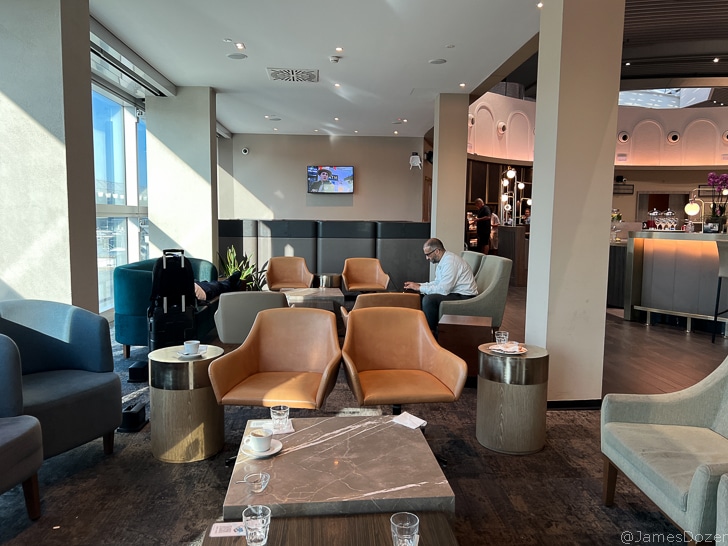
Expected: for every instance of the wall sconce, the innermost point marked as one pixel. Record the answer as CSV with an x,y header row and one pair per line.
x,y
415,161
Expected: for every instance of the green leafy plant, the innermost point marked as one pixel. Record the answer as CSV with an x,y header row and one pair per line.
x,y
252,278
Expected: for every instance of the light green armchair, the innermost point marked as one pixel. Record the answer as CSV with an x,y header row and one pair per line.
x,y
493,278
673,446
721,528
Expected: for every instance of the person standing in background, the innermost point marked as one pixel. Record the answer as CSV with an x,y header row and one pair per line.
x,y
494,224
482,224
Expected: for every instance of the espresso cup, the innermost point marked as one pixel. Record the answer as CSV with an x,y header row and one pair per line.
x,y
192,347
259,439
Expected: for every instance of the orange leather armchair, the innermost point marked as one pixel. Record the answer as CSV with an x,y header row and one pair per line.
x,y
391,357
288,272
291,357
364,275
383,299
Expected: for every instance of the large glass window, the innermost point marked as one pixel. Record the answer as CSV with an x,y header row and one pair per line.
x,y
120,166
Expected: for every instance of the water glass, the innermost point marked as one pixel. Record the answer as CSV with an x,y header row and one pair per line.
x,y
405,529
501,337
257,481
279,415
256,520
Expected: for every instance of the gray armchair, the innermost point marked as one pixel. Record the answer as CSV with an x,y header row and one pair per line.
x,y
473,259
673,446
68,382
21,441
493,278
721,528
236,312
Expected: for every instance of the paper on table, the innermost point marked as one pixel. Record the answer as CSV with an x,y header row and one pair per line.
x,y
268,423
228,529
409,420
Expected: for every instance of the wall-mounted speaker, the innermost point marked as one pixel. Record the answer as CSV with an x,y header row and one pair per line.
x,y
673,136
725,136
245,151
623,136
501,127
471,120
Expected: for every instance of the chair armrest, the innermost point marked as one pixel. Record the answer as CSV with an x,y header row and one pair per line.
x,y
328,378
352,377
11,386
449,368
230,369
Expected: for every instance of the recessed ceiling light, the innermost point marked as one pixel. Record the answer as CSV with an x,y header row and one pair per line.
x,y
716,60
627,64
437,61
315,130
275,128
462,84
339,49
240,45
237,56
336,119
337,85
356,131
404,121
396,132
539,5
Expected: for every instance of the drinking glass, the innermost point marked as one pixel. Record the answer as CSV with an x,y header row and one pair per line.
x,y
405,529
501,338
256,520
257,481
279,415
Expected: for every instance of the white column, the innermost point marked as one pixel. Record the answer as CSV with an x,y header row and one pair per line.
x,y
48,217
576,119
182,173
450,170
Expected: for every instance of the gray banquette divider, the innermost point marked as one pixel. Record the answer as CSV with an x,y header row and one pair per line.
x,y
325,244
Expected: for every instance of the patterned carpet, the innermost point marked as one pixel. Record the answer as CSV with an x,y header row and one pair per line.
x,y
550,498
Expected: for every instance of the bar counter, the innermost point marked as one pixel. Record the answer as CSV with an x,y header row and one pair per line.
x,y
674,273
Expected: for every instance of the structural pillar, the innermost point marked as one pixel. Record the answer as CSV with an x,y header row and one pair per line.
x,y
580,49
182,172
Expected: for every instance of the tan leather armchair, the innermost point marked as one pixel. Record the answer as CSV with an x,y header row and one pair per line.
x,y
291,357
364,275
383,299
288,272
391,357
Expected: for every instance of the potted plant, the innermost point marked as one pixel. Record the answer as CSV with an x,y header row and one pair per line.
x,y
251,278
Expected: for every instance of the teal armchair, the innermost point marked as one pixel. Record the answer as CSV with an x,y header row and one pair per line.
x,y
132,290
673,446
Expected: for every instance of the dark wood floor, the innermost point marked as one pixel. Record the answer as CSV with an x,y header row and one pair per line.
x,y
639,358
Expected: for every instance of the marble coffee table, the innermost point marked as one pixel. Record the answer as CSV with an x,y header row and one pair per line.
x,y
344,465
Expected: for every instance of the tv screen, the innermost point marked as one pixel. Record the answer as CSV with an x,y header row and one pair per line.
x,y
326,179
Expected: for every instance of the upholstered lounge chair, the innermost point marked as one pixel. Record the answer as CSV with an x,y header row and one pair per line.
x,y
364,275
383,299
673,446
288,272
721,527
21,440
236,312
493,278
391,357
69,382
290,357
473,259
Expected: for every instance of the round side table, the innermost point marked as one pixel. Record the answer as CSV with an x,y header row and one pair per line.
x,y
187,422
511,407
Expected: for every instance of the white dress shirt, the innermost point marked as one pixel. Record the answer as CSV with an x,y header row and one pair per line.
x,y
452,276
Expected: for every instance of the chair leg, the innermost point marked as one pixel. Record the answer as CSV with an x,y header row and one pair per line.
x,y
610,482
126,349
32,496
715,315
109,442
396,409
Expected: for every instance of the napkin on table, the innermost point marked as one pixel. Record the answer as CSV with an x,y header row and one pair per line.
x,y
409,420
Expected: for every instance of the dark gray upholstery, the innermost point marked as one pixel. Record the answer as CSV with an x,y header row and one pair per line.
x,y
287,238
68,379
21,441
339,240
399,249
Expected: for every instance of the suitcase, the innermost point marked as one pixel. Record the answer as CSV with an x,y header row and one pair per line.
x,y
171,313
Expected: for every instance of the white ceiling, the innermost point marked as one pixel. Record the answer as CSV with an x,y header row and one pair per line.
x,y
384,70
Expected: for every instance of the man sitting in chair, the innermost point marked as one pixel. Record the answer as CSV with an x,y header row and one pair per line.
x,y
453,281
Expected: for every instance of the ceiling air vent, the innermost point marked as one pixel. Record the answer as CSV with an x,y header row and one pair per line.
x,y
293,74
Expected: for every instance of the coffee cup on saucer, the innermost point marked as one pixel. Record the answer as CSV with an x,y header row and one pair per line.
x,y
192,347
259,439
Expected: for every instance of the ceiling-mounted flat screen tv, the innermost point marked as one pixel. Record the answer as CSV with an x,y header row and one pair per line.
x,y
327,179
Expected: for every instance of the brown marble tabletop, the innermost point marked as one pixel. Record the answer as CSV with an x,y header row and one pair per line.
x,y
343,465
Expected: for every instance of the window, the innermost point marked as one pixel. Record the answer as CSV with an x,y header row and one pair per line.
x,y
120,167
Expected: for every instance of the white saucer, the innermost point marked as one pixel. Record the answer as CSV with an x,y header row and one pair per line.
x,y
275,447
192,356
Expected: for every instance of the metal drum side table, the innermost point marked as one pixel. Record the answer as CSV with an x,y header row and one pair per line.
x,y
187,422
512,394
